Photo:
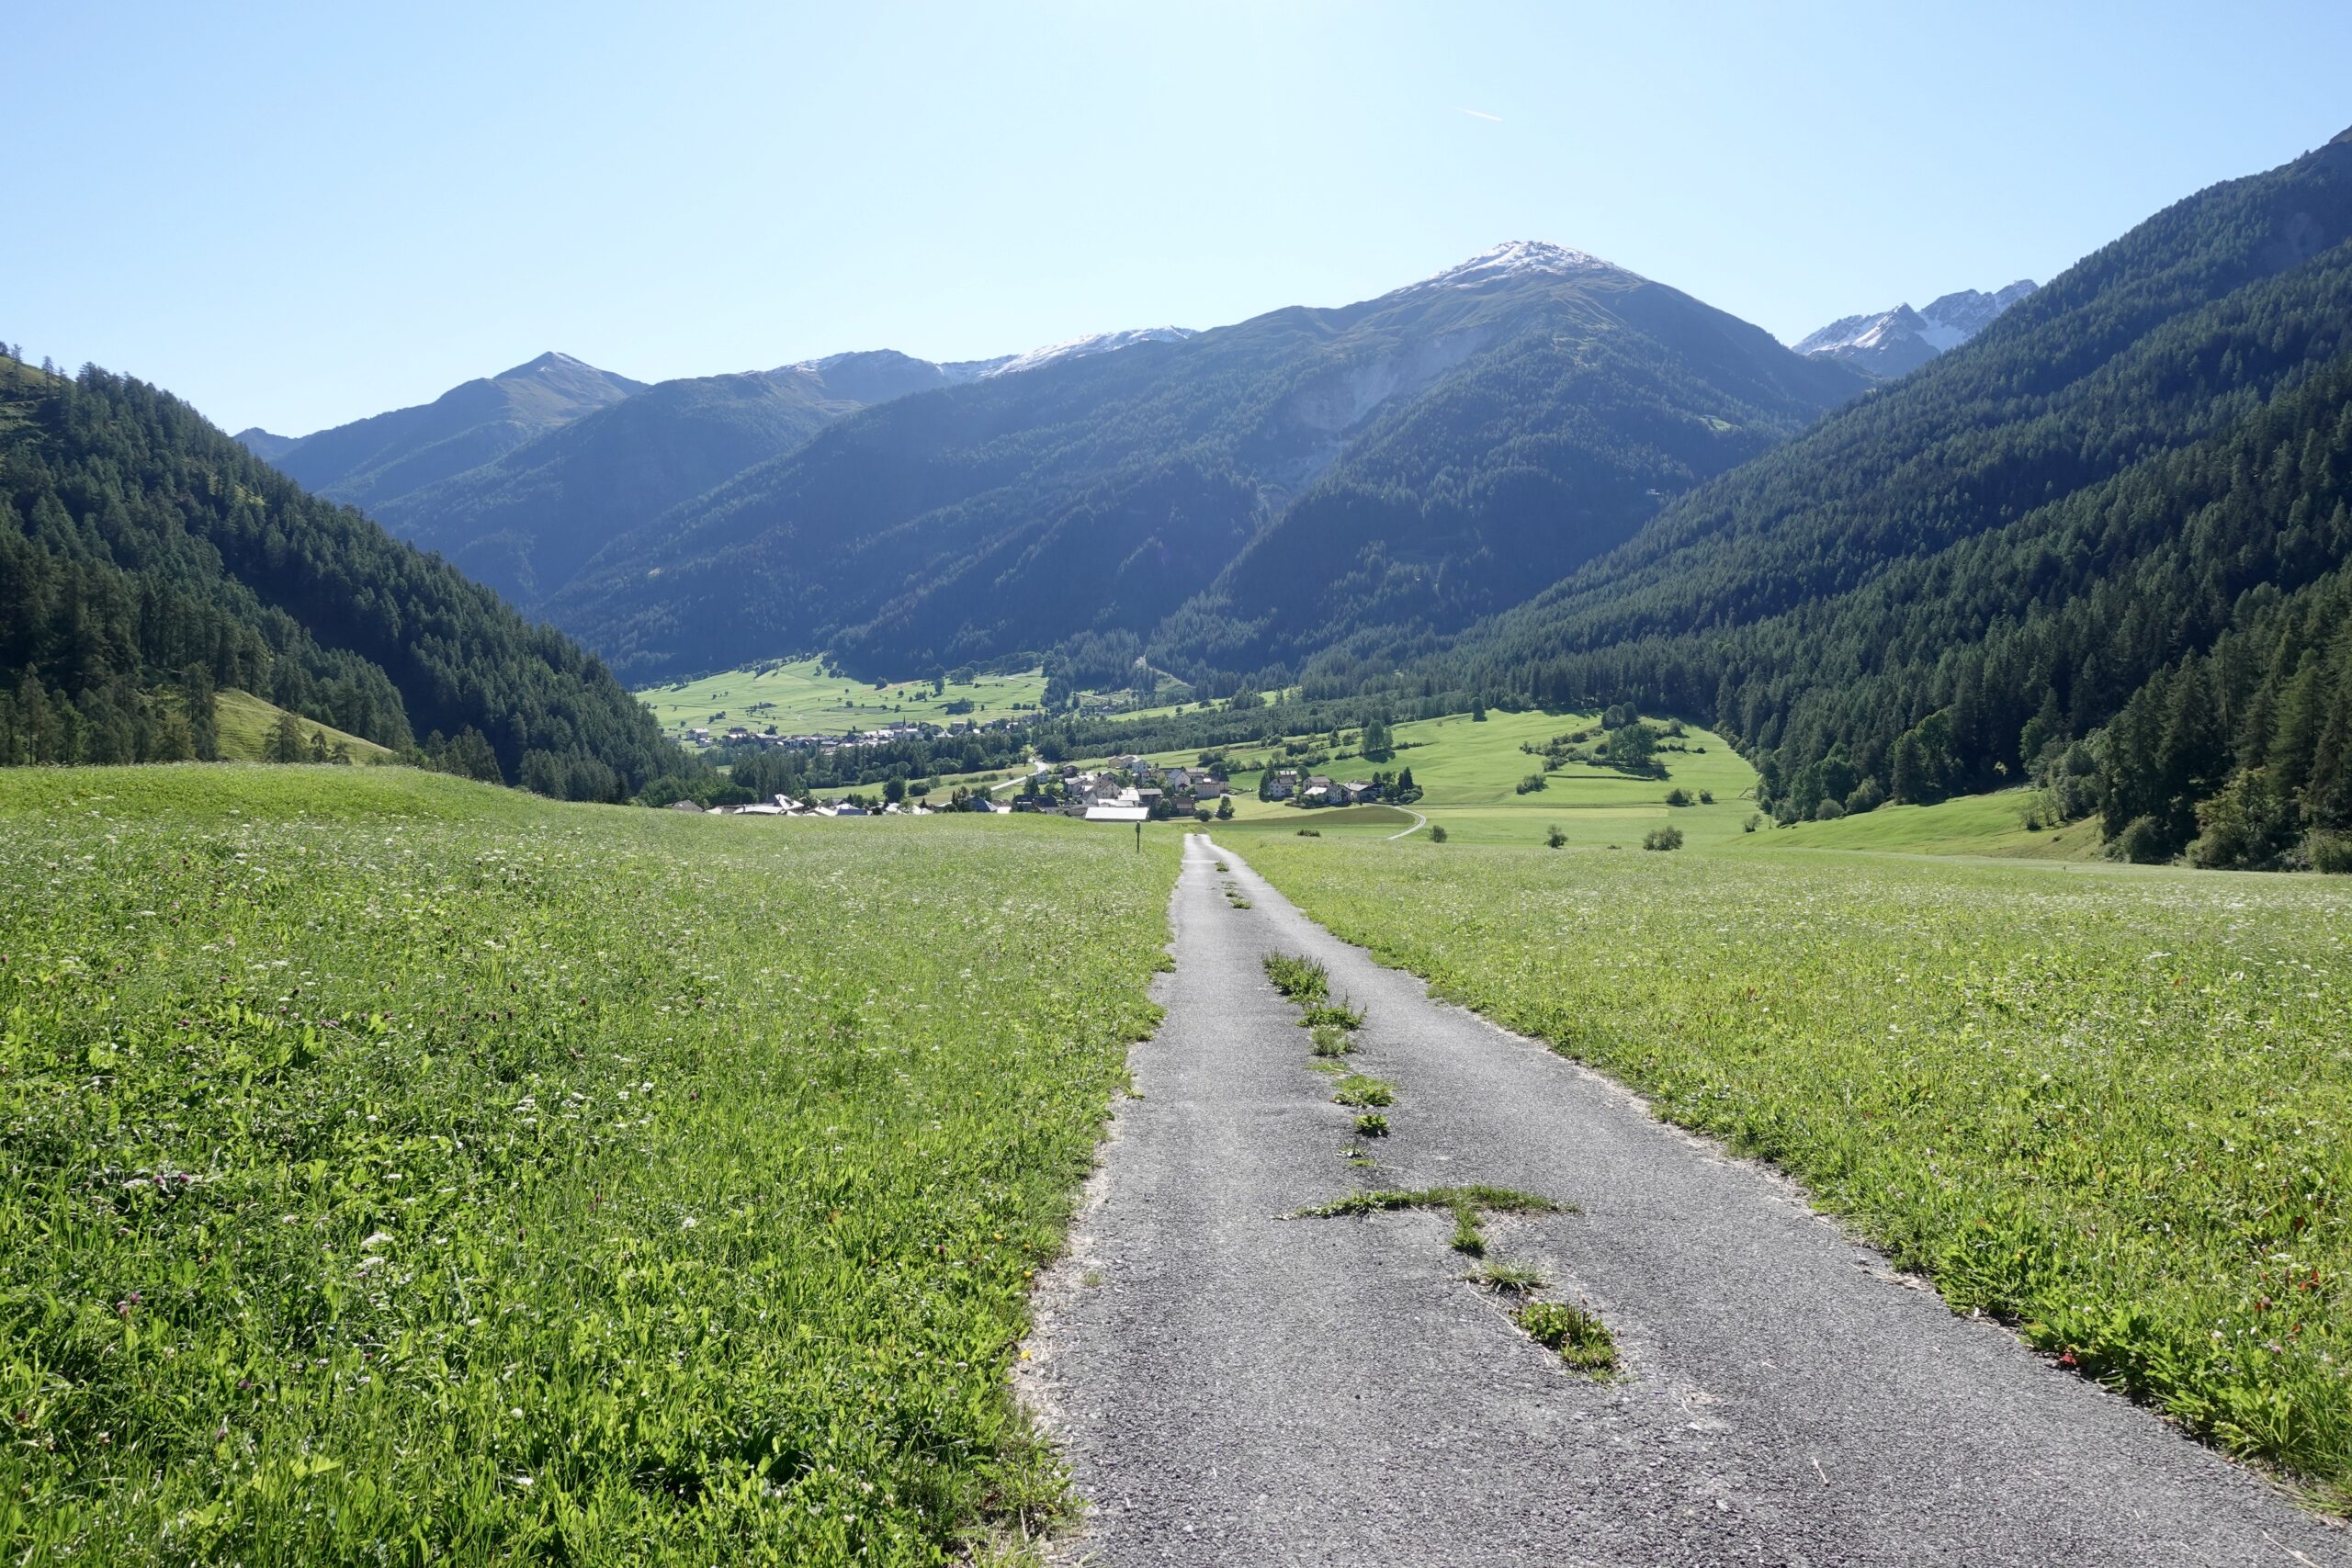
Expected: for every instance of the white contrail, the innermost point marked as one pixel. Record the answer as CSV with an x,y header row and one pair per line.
x,y
1480,114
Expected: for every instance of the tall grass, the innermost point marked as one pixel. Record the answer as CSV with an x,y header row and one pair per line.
x,y
401,1170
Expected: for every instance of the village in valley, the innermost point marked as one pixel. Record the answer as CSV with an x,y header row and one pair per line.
x,y
1125,789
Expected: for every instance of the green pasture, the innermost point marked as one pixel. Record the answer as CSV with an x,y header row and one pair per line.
x,y
1968,825
403,1170
797,698
244,722
1468,771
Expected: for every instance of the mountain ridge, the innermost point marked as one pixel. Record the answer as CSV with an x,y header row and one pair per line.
x,y
1893,343
1132,482
2116,522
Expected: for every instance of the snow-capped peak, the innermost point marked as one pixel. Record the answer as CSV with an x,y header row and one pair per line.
x,y
1903,339
1093,343
1516,258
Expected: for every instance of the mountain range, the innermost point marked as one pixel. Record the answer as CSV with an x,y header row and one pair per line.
x,y
1228,502
2101,537
1897,342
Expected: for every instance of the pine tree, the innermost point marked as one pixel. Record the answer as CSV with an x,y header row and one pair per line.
x,y
200,703
284,744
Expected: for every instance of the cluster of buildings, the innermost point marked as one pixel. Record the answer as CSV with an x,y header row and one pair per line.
x,y
1316,789
897,729
785,806
1125,789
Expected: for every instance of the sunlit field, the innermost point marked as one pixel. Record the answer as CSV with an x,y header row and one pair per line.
x,y
2112,1106
405,1170
797,697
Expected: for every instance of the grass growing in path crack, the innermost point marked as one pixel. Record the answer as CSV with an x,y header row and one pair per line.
x,y
1507,1277
1303,980
1360,1090
1583,1341
1332,1040
1331,1015
1372,1124
1466,1203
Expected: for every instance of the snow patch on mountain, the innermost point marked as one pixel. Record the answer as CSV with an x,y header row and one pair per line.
x,y
1079,347
1895,342
1515,259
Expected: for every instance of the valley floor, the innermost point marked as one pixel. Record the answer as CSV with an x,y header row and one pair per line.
x,y
1235,1386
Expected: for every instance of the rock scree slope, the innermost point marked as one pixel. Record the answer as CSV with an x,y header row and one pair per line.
x,y
1236,1387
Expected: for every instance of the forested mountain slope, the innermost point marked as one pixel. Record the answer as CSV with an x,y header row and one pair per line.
x,y
2126,498
526,521
372,460
147,560
1232,501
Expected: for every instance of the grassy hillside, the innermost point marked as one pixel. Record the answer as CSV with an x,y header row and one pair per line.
x,y
2113,1108
245,722
403,1168
797,697
1971,825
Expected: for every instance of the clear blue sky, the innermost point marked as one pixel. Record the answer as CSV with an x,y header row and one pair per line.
x,y
299,215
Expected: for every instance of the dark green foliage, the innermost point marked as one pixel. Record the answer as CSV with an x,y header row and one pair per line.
x,y
2126,506
1662,838
146,560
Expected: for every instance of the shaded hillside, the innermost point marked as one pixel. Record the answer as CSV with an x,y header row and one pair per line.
x,y
525,522
1235,500
2139,471
147,560
370,461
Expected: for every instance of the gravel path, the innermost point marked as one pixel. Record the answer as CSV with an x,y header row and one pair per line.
x,y
1233,1387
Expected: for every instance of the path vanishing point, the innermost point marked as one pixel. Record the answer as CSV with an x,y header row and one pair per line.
x,y
1233,1387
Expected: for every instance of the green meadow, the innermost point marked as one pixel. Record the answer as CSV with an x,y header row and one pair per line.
x,y
1966,825
244,722
403,1170
1469,771
2109,1105
798,697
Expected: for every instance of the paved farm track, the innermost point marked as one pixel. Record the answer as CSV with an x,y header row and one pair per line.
x,y
1235,1388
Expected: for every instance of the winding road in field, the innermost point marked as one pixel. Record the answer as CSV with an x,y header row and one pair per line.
x,y
1232,1387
